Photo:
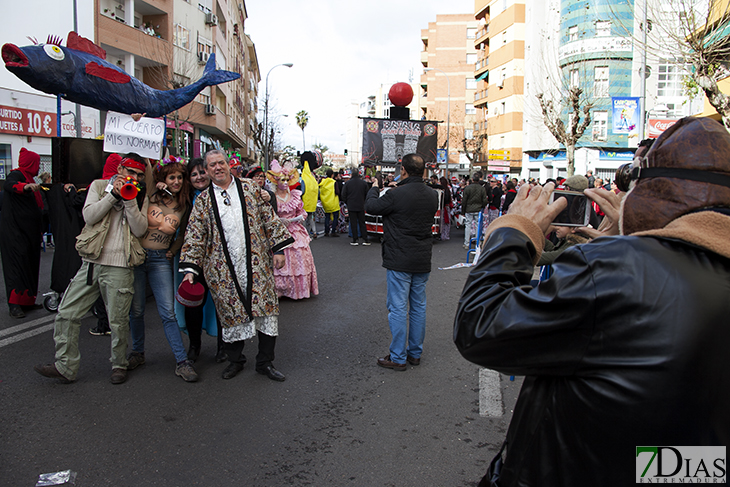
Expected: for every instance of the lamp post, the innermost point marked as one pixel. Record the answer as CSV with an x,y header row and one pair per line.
x,y
266,114
448,117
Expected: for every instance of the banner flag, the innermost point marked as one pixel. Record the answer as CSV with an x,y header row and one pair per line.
x,y
386,141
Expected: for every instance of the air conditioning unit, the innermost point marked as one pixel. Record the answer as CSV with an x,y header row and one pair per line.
x,y
210,109
203,57
211,19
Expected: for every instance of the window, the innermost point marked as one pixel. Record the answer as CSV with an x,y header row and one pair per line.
x,y
573,33
471,32
600,126
471,58
470,110
574,78
600,81
603,28
471,84
468,134
504,37
6,160
669,81
181,37
503,108
501,142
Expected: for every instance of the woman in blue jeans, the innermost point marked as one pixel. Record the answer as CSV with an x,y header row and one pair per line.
x,y
168,204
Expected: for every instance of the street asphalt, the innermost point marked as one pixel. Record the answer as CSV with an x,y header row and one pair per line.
x,y
337,420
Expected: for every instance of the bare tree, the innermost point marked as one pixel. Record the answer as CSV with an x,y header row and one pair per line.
x,y
568,136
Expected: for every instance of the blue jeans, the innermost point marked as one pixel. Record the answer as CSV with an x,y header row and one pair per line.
x,y
404,289
158,270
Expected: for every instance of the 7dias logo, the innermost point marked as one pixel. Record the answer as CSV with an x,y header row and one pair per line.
x,y
680,465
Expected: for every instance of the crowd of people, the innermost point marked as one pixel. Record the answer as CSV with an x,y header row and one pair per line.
x,y
623,343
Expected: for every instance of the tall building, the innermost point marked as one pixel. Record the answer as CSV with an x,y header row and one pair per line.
x,y
595,45
500,72
448,85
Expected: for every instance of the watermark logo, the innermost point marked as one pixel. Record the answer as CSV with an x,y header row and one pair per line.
x,y
681,465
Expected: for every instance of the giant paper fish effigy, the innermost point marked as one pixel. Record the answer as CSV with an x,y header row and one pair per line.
x,y
79,73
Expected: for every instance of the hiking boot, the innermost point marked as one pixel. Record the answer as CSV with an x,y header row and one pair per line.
x,y
135,359
185,370
119,375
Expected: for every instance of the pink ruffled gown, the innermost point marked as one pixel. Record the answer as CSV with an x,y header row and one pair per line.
x,y
298,278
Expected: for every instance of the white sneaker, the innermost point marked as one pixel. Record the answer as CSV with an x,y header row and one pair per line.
x,y
354,243
366,243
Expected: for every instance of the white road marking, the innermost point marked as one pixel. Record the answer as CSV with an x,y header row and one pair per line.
x,y
490,394
29,324
27,334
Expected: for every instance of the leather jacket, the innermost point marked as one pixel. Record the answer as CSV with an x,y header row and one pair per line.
x,y
627,344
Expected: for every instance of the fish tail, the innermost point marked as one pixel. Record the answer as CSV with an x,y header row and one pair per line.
x,y
213,76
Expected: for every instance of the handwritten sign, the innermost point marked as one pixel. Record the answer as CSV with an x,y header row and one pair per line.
x,y
122,134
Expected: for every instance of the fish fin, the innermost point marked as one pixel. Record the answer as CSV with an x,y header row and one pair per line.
x,y
79,43
212,76
210,65
109,74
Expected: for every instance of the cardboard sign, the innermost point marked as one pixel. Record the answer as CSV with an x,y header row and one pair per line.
x,y
122,134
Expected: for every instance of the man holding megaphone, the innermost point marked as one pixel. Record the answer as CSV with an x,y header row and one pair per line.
x,y
109,245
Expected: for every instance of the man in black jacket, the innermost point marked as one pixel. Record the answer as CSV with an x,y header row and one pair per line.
x,y
408,212
353,194
626,345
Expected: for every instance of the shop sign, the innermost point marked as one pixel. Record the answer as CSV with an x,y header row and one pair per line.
x,y
23,121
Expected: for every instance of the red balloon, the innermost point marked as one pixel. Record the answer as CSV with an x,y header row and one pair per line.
x,y
400,94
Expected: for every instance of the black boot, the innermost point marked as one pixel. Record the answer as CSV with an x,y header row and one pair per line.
x,y
16,311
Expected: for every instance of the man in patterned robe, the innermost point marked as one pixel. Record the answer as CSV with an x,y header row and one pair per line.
x,y
234,239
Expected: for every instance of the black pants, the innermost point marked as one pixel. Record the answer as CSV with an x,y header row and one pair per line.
x,y
357,220
263,359
194,322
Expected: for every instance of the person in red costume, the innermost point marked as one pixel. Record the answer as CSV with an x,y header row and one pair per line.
x,y
20,233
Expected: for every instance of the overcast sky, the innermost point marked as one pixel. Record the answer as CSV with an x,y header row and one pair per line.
x,y
341,51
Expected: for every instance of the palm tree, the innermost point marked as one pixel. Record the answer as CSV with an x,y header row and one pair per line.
x,y
302,121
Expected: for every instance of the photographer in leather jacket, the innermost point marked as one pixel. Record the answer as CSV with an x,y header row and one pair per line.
x,y
627,343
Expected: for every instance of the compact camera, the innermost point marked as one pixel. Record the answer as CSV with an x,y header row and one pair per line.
x,y
578,211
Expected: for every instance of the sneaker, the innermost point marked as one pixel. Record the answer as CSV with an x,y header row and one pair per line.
x,y
366,243
335,234
98,331
135,359
185,370
354,243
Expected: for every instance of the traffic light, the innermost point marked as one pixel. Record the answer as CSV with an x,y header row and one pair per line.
x,y
345,151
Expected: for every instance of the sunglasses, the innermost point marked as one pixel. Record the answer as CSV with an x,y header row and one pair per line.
x,y
226,198
134,173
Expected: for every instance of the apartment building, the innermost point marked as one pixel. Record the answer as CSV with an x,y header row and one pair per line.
x,y
499,71
448,86
166,44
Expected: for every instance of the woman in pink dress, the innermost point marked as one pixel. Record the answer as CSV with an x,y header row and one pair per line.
x,y
298,278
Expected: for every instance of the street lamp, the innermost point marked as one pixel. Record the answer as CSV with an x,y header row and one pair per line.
x,y
448,116
266,114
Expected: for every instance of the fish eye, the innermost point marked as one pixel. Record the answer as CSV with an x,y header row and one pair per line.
x,y
54,52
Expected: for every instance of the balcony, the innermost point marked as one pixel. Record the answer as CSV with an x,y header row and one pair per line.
x,y
424,58
480,95
482,35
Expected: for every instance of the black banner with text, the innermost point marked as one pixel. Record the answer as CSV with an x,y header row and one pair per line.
x,y
386,141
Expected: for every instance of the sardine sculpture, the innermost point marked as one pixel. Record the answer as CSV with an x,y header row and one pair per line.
x,y
79,73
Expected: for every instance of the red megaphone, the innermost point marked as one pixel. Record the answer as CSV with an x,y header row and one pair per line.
x,y
129,189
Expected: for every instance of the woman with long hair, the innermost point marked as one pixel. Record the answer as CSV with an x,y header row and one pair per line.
x,y
169,203
195,319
